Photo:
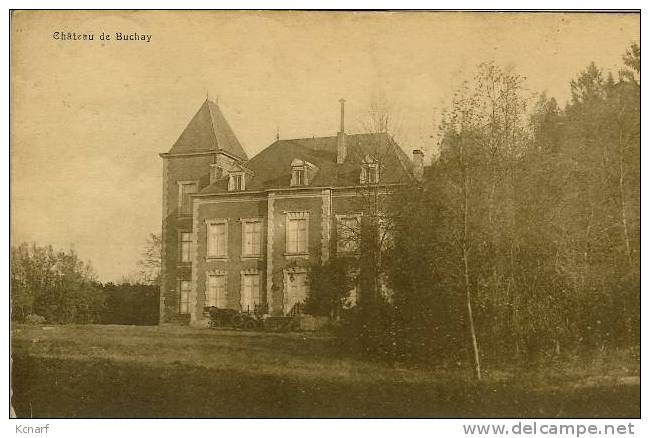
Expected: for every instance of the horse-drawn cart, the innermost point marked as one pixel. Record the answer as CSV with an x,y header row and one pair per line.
x,y
231,318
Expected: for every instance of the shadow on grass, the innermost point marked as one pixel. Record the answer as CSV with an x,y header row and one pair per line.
x,y
66,388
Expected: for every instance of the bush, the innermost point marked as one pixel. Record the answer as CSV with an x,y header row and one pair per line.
x,y
34,319
136,304
369,331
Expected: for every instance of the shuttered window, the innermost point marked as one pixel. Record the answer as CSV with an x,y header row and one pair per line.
x,y
217,239
216,291
185,287
297,235
250,295
186,247
252,238
184,201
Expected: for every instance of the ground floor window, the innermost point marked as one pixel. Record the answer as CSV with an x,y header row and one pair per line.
x,y
185,288
216,289
297,289
250,293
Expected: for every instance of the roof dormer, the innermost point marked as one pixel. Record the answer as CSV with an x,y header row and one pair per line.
x,y
369,171
237,178
302,172
236,182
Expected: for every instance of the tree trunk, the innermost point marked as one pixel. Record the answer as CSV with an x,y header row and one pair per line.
x,y
621,191
470,317
585,256
465,247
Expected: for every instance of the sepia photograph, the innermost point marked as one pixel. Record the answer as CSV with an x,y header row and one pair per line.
x,y
328,214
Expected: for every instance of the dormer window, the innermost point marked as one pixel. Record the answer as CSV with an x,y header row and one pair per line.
x,y
369,171
373,174
299,176
236,182
301,172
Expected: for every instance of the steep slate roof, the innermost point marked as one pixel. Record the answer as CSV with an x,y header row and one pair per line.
x,y
272,166
208,130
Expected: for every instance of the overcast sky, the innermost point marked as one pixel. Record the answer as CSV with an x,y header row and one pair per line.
x,y
89,118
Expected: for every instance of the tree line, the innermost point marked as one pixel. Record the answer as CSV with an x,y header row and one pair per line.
x,y
55,286
523,241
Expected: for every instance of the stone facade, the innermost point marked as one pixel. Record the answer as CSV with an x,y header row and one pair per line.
x,y
268,195
177,168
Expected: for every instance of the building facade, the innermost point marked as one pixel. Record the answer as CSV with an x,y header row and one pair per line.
x,y
241,233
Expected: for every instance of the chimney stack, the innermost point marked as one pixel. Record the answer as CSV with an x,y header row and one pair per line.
x,y
341,149
418,165
216,172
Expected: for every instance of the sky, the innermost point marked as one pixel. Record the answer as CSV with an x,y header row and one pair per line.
x,y
89,118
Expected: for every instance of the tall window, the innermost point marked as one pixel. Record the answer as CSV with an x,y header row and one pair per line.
x,y
347,231
217,239
185,189
185,289
297,234
250,294
186,247
216,291
252,238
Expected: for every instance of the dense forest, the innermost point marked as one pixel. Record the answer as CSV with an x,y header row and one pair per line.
x,y
523,241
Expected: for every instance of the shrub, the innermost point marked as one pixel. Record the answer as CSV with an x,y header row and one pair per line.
x,y
34,319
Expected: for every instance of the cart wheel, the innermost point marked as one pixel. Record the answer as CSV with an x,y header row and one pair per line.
x,y
237,320
250,324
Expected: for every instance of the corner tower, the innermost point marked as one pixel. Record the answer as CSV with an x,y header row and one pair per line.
x,y
207,139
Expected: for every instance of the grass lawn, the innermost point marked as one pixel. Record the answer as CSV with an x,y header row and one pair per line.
x,y
170,371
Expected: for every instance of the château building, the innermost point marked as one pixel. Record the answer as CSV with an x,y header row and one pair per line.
x,y
241,232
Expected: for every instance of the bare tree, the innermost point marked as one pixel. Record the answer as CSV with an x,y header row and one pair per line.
x,y
372,231
149,265
459,134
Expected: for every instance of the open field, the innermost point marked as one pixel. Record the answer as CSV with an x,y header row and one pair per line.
x,y
170,371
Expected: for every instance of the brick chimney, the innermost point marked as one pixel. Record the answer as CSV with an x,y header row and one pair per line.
x,y
215,172
418,164
341,148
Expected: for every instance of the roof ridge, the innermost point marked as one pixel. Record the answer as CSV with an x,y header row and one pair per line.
x,y
305,138
332,136
213,130
402,158
219,126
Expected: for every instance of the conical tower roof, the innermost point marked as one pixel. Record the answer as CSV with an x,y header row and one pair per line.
x,y
208,130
